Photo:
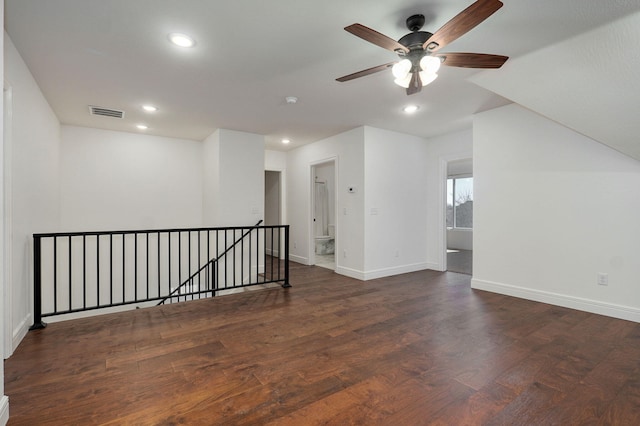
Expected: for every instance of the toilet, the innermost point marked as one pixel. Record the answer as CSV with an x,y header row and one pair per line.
x,y
325,244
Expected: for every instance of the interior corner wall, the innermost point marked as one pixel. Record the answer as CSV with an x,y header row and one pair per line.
x,y
4,400
552,210
395,205
275,160
347,149
440,150
234,164
121,181
210,178
32,185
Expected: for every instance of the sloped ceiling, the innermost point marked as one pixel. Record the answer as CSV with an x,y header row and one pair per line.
x,y
589,83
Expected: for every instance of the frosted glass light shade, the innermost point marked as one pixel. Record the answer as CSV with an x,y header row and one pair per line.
x,y
430,64
403,82
427,77
401,69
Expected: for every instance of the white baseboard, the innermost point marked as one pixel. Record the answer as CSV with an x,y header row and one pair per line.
x,y
380,273
298,259
434,266
18,334
352,273
274,253
594,306
396,270
4,410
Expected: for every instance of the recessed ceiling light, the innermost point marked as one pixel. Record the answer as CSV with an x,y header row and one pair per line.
x,y
286,141
410,109
181,40
291,99
149,108
142,126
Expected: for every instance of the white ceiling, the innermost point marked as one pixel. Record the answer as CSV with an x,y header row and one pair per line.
x,y
251,54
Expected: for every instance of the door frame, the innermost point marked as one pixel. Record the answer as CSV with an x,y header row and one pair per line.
x,y
5,195
312,208
442,210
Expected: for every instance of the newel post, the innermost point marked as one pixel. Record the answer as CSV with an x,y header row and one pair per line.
x,y
37,285
286,257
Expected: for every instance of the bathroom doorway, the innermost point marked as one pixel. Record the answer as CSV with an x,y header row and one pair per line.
x,y
323,212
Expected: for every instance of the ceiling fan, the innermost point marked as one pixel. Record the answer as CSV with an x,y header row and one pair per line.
x,y
419,62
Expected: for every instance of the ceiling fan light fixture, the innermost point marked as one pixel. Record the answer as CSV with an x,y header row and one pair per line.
x,y
430,64
427,77
403,82
401,69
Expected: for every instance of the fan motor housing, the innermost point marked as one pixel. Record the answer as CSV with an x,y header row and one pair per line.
x,y
415,39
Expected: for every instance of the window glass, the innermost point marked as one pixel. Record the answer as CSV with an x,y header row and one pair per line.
x,y
460,202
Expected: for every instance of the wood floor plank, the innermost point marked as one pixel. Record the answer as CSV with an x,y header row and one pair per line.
x,y
418,348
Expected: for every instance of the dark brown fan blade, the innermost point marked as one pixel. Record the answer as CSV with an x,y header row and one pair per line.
x,y
415,85
462,23
372,36
365,72
472,60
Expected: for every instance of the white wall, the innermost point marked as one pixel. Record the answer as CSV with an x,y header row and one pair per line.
x,y
553,209
234,178
395,203
275,160
460,239
210,178
33,159
4,401
122,181
347,149
440,151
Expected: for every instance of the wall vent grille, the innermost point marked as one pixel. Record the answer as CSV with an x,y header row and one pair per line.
x,y
106,112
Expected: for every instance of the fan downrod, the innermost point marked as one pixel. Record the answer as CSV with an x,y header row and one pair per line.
x,y
415,22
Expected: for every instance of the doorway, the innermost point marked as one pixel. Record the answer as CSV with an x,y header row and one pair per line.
x,y
273,209
323,194
459,216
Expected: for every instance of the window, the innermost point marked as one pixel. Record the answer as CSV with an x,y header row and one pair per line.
x,y
460,202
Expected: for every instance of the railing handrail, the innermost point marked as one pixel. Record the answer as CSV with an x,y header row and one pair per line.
x,y
211,261
72,288
144,231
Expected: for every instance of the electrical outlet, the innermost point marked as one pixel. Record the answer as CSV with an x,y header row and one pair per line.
x,y
295,245
397,253
603,278
344,253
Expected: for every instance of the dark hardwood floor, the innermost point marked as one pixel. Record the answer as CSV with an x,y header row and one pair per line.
x,y
414,349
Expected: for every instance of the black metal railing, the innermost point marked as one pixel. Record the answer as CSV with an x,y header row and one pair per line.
x,y
83,271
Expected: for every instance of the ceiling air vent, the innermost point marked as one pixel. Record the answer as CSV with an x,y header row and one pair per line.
x,y
107,112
